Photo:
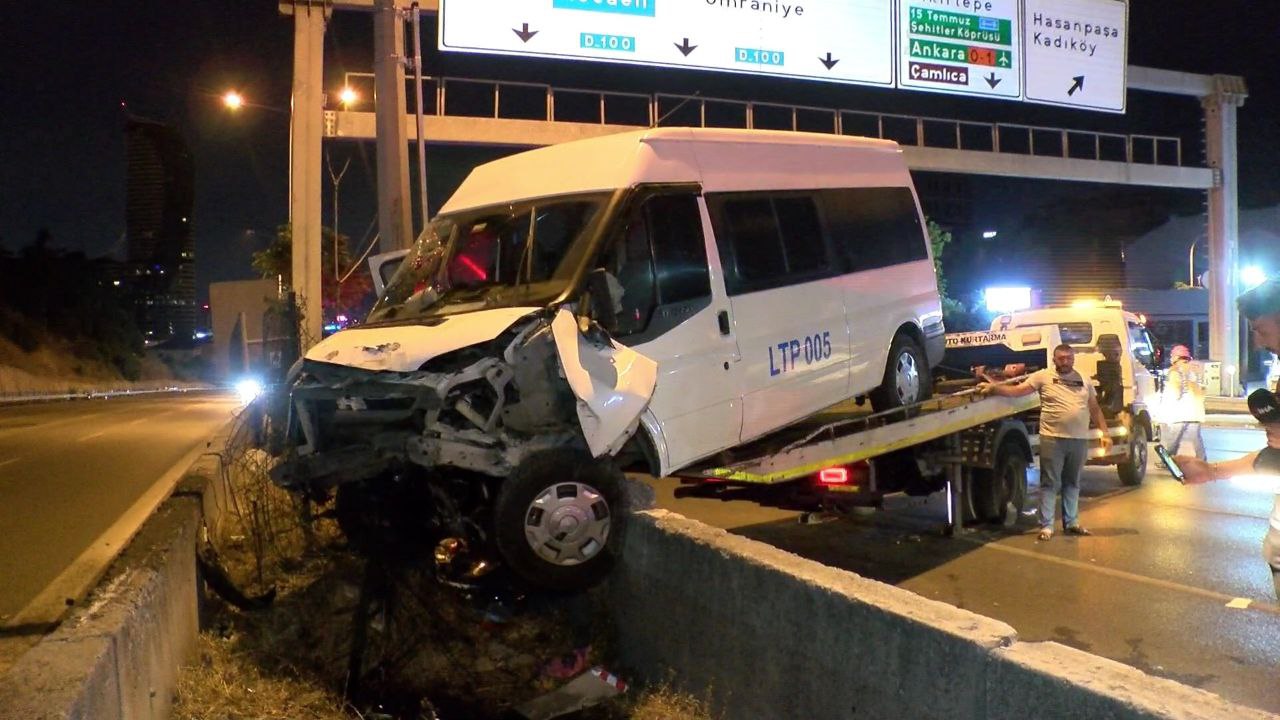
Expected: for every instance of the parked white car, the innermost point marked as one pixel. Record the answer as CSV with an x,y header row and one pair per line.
x,y
658,296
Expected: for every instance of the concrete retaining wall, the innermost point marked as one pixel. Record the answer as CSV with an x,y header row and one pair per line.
x,y
773,635
118,656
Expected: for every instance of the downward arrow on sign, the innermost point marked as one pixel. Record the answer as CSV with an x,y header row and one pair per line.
x,y
686,48
524,32
829,61
993,81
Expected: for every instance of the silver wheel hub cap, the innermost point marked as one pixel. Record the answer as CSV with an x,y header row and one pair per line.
x,y
567,523
907,378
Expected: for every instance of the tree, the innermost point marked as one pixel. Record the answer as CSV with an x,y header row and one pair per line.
x,y
955,314
344,294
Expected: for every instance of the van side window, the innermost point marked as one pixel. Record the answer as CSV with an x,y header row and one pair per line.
x,y
660,260
770,241
801,234
753,232
874,227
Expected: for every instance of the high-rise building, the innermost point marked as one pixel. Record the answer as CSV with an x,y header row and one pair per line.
x,y
160,267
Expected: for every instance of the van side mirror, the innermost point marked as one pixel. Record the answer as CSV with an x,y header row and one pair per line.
x,y
603,296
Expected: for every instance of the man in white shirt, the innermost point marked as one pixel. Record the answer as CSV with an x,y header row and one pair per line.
x,y
1067,402
1261,306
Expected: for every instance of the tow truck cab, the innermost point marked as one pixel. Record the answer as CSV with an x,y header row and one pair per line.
x,y
1115,351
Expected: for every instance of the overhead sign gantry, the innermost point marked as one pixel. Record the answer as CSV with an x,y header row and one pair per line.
x,y
1061,52
833,40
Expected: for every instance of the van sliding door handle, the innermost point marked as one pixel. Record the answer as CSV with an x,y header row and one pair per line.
x,y
723,317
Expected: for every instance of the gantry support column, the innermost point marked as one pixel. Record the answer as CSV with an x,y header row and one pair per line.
x,y
394,224
1220,108
306,130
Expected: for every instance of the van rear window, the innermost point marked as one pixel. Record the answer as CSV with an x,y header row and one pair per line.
x,y
874,227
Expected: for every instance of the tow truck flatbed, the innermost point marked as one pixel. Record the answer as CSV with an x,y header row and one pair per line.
x,y
846,435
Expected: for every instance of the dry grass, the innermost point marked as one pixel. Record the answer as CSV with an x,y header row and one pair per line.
x,y
425,640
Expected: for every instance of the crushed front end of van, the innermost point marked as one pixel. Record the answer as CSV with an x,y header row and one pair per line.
x,y
498,427
479,407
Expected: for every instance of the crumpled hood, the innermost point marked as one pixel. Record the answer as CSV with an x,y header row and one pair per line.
x,y
404,348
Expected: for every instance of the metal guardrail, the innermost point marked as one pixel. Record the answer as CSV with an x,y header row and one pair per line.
x,y
14,398
502,99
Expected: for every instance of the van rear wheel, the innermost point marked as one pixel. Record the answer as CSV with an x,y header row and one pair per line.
x,y
907,379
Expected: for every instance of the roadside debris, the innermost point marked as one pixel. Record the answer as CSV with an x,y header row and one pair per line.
x,y
586,690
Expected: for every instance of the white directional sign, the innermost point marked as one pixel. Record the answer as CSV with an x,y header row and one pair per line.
x,y
1077,52
960,46
836,40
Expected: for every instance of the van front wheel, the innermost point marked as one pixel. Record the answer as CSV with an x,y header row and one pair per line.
x,y
907,379
558,518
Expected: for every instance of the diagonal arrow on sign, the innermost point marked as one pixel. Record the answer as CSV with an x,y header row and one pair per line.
x,y
829,61
1078,85
524,32
686,48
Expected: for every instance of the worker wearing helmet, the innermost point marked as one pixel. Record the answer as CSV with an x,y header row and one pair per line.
x,y
1182,403
1262,308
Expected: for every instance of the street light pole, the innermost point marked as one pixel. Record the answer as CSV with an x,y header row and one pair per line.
x,y
336,180
1191,263
422,142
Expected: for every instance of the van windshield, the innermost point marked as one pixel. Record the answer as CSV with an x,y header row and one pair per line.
x,y
507,256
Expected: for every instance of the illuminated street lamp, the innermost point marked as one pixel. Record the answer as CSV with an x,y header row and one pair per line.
x,y
348,96
233,100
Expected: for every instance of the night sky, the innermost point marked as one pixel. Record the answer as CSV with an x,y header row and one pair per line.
x,y
67,68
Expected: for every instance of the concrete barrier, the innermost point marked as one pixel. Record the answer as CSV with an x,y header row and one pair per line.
x,y
769,634
118,656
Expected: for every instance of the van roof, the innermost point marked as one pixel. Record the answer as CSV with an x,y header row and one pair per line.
x,y
721,159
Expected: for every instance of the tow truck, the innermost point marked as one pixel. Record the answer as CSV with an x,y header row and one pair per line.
x,y
975,448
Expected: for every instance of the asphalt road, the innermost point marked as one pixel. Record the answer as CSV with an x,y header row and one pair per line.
x,y
1158,587
75,480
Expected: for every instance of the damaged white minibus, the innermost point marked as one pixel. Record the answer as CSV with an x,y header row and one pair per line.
x,y
652,297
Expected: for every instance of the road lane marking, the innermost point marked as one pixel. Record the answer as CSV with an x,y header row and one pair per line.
x,y
10,461
1239,603
91,436
1218,597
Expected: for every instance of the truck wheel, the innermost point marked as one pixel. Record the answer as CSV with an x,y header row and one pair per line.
x,y
1134,467
997,495
907,378
557,519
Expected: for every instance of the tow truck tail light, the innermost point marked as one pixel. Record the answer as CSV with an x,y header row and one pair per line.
x,y
851,477
834,476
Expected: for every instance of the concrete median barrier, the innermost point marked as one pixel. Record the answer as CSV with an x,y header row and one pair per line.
x,y
771,635
117,656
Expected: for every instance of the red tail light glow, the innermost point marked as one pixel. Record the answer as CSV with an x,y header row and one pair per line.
x,y
834,476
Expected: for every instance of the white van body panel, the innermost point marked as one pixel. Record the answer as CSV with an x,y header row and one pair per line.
x,y
404,348
613,385
795,349
698,400
722,160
